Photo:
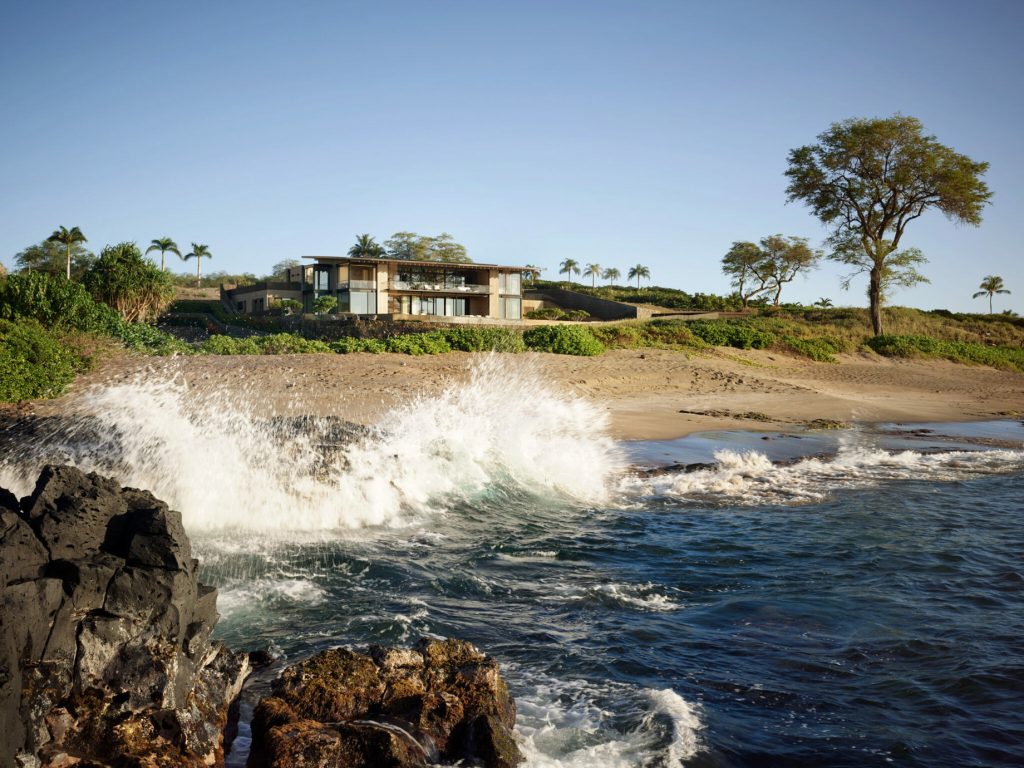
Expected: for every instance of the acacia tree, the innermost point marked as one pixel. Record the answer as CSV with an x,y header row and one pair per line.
x,y
68,238
164,245
783,258
991,285
740,264
639,271
410,246
366,247
50,257
594,270
569,266
199,252
867,179
611,275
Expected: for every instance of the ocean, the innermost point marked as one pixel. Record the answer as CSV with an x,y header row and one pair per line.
x,y
840,598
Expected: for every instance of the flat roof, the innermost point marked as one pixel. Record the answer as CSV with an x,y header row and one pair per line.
x,y
466,264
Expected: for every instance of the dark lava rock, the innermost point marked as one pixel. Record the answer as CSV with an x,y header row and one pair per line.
x,y
105,651
440,702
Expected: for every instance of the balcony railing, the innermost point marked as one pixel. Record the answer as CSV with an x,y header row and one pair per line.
x,y
362,285
407,285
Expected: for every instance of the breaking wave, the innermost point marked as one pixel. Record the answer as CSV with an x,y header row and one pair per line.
x,y
750,478
210,458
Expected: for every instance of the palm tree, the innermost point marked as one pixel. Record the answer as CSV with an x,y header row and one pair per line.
x,y
990,285
611,275
639,271
67,237
199,252
823,302
366,248
568,267
530,274
164,244
594,270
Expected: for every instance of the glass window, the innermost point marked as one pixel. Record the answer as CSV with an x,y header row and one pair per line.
x,y
344,303
514,280
513,309
322,279
501,282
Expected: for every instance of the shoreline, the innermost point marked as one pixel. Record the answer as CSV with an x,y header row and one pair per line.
x,y
646,395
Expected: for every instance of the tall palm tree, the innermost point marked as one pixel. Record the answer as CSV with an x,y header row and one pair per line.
x,y
824,302
67,237
366,248
569,266
990,285
530,274
611,275
639,271
594,270
164,245
199,252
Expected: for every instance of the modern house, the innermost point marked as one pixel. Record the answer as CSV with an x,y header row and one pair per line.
x,y
253,299
401,288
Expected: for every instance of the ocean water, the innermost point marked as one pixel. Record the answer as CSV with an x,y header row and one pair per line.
x,y
848,598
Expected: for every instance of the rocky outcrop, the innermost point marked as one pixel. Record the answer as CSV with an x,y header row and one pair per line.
x,y
442,701
105,650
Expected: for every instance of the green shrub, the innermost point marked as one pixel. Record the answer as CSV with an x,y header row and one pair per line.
x,y
1008,358
577,314
289,344
33,363
563,340
55,302
473,339
432,343
545,313
822,349
731,333
227,345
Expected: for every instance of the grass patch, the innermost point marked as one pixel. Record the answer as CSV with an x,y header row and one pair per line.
x,y
1002,357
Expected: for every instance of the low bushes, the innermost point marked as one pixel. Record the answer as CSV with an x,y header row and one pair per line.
x,y
731,333
563,340
485,339
545,313
33,363
1007,358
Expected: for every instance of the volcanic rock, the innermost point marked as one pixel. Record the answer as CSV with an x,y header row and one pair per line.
x,y
105,650
440,702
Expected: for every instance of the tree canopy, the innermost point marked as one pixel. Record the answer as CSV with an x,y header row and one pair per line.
x,y
991,285
366,247
164,245
868,178
50,257
68,238
413,247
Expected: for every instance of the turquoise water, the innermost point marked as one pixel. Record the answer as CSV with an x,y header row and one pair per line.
x,y
864,607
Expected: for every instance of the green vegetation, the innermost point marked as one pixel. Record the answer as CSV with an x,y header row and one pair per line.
x,y
165,245
563,340
670,298
410,246
123,279
68,238
33,362
757,270
868,179
990,286
639,271
198,252
324,304
1006,358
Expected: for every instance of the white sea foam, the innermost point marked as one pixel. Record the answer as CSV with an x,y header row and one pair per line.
x,y
639,597
564,725
751,478
269,594
209,458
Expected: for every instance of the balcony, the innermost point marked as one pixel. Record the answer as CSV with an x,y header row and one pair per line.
x,y
405,285
362,285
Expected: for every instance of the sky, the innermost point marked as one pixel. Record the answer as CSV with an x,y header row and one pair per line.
x,y
616,133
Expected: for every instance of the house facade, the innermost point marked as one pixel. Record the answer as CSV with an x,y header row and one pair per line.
x,y
401,288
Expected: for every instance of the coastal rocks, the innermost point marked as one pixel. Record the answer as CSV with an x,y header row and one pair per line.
x,y
440,702
105,650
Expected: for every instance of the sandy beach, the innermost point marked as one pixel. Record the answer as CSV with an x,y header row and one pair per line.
x,y
649,394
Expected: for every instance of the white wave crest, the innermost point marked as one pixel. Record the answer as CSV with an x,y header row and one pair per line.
x,y
223,469
750,478
269,593
564,725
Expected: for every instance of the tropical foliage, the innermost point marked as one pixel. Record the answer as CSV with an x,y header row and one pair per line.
x,y
990,286
198,252
165,245
68,238
366,247
639,271
123,279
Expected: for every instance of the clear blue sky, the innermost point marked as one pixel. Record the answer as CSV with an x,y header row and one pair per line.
x,y
608,132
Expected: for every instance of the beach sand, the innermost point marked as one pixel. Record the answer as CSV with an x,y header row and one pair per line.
x,y
649,394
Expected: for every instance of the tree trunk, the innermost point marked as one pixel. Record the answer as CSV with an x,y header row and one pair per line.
x,y
875,298
199,272
990,303
69,261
